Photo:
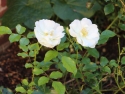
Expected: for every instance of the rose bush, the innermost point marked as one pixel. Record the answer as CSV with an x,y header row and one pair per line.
x,y
73,63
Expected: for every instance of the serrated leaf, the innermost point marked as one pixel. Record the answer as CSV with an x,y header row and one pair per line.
x,y
105,35
14,37
19,9
43,80
4,30
25,82
74,9
59,87
93,52
20,29
69,64
23,54
109,8
28,65
123,60
37,71
50,55
20,89
62,46
24,41
55,75
103,61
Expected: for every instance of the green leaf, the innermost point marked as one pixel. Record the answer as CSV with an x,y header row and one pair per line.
x,y
113,63
74,9
32,84
43,80
37,92
25,82
28,65
24,41
123,60
122,26
89,75
105,35
31,35
14,37
93,52
5,90
20,29
55,75
34,46
121,16
59,87
87,91
29,91
90,67
50,55
62,46
32,53
109,8
4,30
18,10
69,64
61,67
20,89
23,54
23,47
106,69
103,61
37,71
76,56
85,60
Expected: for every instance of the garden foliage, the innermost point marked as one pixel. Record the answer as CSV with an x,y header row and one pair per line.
x,y
72,65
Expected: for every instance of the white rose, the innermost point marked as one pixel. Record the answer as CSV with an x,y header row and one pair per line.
x,y
85,32
48,33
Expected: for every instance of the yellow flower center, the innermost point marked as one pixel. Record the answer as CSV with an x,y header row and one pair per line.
x,y
46,34
84,32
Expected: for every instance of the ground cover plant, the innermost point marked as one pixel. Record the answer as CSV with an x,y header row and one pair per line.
x,y
70,35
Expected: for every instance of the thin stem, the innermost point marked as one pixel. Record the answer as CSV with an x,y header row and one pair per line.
x,y
122,3
112,23
119,50
120,89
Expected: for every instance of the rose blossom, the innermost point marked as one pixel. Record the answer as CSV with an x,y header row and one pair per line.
x,y
48,33
85,32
